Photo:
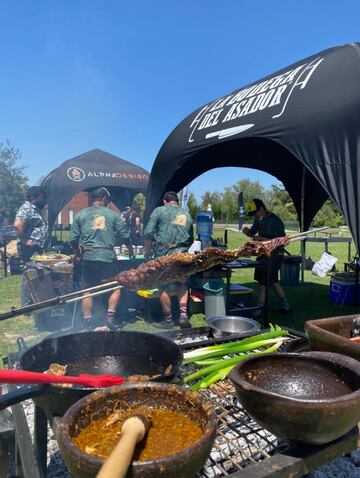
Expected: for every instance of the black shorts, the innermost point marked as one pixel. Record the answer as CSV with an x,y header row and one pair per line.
x,y
270,274
94,272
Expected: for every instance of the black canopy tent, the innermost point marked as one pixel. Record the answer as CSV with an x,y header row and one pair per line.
x,y
300,125
90,170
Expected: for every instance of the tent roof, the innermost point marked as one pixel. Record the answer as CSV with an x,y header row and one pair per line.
x,y
304,117
90,170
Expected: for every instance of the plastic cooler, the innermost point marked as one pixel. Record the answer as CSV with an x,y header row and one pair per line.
x,y
290,270
240,294
342,288
214,298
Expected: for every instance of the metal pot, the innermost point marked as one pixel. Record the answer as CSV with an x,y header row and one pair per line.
x,y
232,325
183,464
116,353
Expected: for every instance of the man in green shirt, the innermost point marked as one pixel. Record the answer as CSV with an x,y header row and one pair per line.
x,y
94,233
267,225
170,228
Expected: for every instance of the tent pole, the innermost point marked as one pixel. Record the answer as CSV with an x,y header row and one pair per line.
x,y
302,220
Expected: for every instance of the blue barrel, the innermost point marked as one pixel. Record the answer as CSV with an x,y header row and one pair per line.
x,y
204,227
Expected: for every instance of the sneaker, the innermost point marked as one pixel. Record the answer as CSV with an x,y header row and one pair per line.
x,y
184,322
285,310
164,324
89,324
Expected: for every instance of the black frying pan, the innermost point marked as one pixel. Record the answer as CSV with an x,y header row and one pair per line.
x,y
116,353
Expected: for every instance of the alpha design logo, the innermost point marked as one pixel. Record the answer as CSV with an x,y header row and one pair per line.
x,y
75,174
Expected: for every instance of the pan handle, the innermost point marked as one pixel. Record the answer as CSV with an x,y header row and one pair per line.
x,y
21,394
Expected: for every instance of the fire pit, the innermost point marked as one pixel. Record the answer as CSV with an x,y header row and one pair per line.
x,y
241,445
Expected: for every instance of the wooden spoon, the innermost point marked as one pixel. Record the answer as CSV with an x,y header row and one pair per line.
x,y
133,431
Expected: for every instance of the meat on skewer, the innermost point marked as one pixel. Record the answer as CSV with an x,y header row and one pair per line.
x,y
177,267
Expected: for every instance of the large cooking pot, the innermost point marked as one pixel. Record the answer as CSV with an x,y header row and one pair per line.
x,y
183,464
116,353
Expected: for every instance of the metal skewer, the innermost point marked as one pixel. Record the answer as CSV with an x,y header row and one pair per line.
x,y
92,294
62,299
301,235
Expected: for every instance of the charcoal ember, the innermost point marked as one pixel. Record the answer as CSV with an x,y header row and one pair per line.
x,y
355,331
177,267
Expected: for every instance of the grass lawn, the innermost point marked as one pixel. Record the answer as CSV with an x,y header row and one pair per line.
x,y
309,300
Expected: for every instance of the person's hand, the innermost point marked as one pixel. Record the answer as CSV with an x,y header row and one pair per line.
x,y
75,258
29,243
246,231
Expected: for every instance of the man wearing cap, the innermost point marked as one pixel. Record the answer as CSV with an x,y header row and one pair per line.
x,y
267,225
94,233
171,229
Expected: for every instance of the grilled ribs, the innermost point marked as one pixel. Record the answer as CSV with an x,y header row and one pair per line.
x,y
177,267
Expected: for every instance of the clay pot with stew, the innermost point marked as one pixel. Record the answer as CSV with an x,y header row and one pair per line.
x,y
183,463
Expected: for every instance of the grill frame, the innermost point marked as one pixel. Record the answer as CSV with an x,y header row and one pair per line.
x,y
280,462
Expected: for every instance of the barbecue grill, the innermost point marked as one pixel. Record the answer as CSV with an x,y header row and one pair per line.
x,y
242,447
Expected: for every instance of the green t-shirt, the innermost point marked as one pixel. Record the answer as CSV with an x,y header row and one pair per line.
x,y
98,229
171,227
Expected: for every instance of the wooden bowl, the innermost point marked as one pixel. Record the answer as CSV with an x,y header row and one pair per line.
x,y
183,464
305,398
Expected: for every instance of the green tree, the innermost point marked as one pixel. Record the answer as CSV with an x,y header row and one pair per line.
x,y
229,205
250,190
328,215
13,182
192,205
139,203
215,200
282,204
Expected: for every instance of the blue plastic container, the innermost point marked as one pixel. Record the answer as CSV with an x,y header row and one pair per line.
x,y
204,227
342,292
239,294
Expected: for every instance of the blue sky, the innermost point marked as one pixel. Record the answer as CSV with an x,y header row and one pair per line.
x,y
120,75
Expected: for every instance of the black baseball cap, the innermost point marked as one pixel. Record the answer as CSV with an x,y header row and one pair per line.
x,y
254,206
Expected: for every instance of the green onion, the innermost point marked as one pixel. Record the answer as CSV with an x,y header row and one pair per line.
x,y
223,363
212,378
232,347
224,368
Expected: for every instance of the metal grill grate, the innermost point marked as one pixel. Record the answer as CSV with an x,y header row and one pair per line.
x,y
240,441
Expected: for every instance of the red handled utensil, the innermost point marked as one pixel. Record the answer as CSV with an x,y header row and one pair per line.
x,y
24,376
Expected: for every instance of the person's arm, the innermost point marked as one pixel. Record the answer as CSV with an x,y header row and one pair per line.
x,y
149,234
75,234
19,227
147,249
251,231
